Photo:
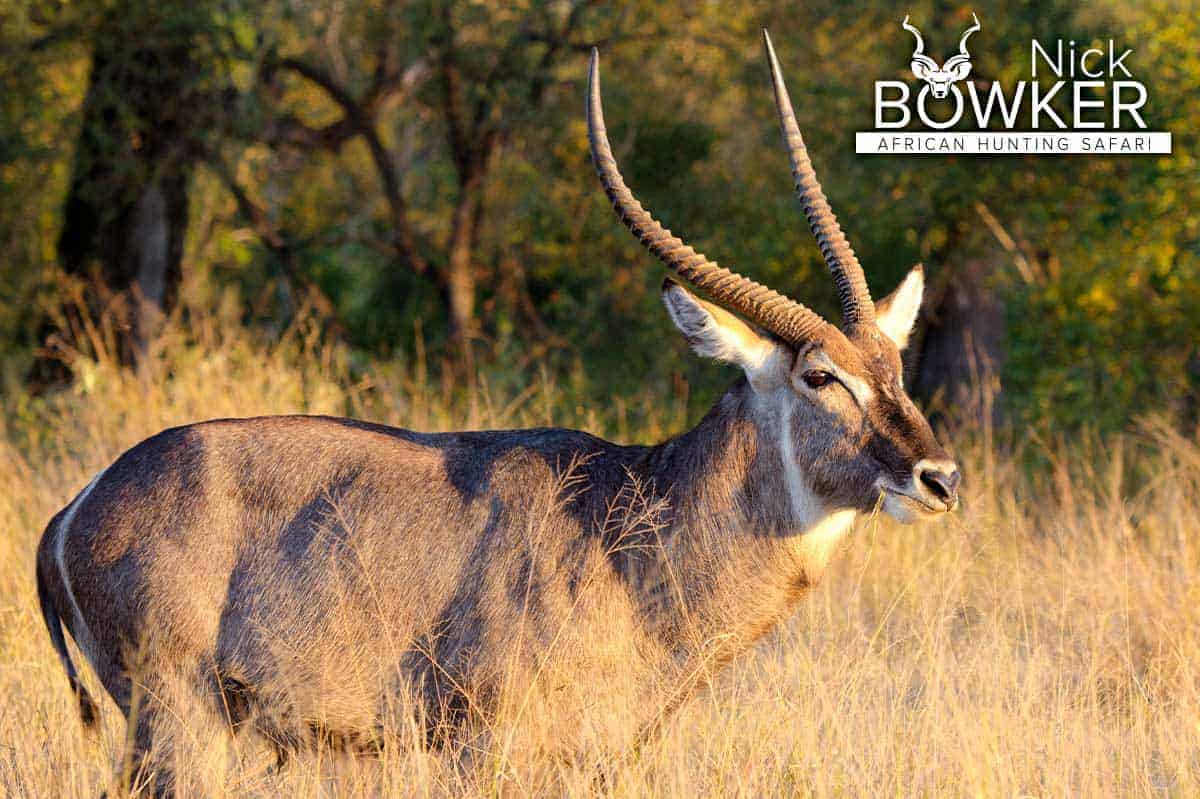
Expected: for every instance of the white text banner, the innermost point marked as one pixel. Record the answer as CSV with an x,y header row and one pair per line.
x,y
1012,143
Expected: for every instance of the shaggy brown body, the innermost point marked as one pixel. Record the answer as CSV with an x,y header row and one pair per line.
x,y
326,579
225,559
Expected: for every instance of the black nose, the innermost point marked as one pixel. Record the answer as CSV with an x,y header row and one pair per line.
x,y
943,485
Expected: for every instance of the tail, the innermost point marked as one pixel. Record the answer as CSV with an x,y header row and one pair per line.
x,y
87,708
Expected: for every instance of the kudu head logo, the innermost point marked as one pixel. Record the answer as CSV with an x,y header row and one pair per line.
x,y
957,67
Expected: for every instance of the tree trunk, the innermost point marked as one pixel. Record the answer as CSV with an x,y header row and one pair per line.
x,y
460,277
962,347
126,212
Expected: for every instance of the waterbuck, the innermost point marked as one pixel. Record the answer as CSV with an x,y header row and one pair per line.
x,y
292,576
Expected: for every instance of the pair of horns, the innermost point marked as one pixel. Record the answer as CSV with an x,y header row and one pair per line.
x,y
786,318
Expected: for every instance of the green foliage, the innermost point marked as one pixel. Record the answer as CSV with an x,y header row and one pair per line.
x,y
1102,317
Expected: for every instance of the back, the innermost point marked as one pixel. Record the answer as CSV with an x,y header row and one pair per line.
x,y
321,562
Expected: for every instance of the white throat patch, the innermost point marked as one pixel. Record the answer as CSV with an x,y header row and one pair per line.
x,y
806,509
820,531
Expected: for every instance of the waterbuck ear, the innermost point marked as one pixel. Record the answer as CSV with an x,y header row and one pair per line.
x,y
713,332
897,312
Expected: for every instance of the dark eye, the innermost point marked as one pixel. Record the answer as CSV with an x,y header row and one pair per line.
x,y
817,379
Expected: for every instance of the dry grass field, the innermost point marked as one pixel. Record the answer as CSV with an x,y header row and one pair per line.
x,y
1044,641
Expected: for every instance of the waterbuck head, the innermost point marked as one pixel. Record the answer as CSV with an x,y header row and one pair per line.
x,y
956,68
848,432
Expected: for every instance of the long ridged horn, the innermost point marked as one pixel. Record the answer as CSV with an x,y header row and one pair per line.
x,y
857,308
784,317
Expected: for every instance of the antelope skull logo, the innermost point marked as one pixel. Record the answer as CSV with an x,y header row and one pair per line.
x,y
957,67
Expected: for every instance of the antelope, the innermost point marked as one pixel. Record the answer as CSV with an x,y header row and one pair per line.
x,y
287,576
941,78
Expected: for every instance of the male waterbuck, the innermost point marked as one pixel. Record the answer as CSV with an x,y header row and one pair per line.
x,y
293,576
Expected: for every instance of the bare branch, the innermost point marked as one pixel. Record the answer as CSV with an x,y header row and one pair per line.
x,y
1029,271
275,241
361,119
289,130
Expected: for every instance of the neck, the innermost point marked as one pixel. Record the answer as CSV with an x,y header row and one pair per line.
x,y
747,536
740,461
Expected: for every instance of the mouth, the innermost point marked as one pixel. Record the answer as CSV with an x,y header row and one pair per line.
x,y
917,504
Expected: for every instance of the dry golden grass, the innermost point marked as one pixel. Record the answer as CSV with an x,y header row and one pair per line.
x,y
1045,641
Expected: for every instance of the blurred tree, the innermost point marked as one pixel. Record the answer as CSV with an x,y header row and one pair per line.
x,y
425,162
470,71
154,94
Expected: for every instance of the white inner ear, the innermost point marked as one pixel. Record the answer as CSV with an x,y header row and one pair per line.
x,y
897,312
713,332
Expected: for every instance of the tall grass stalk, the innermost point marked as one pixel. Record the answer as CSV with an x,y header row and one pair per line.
x,y
1045,641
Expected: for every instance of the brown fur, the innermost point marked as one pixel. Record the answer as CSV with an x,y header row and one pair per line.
x,y
304,577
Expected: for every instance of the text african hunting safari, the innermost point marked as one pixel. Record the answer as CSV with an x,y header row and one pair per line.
x,y
293,575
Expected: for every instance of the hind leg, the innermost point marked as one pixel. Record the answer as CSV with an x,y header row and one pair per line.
x,y
147,766
176,740
242,715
